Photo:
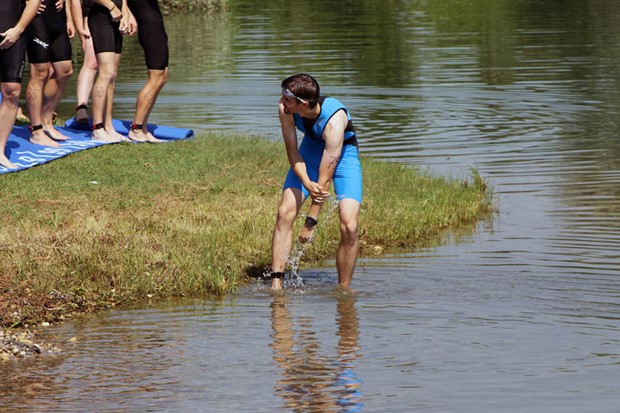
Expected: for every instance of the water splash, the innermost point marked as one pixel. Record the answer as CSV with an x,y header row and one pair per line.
x,y
292,278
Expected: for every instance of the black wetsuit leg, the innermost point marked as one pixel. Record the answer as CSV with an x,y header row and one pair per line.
x,y
151,33
47,38
12,62
11,59
105,33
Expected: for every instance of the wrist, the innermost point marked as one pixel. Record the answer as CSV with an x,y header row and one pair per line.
x,y
111,9
310,222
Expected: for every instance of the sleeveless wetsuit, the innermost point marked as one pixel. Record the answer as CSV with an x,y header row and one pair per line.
x,y
86,5
151,32
347,178
106,36
47,38
11,59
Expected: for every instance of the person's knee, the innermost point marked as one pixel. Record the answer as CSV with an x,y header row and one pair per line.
x,y
10,94
107,73
63,71
90,64
286,214
164,78
349,232
107,66
159,78
90,60
39,73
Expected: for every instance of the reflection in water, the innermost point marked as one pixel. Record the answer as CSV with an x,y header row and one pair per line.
x,y
314,381
18,386
118,360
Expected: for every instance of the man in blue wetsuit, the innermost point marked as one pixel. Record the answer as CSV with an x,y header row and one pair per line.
x,y
13,23
328,153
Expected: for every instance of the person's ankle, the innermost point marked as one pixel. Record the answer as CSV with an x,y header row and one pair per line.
x,y
277,279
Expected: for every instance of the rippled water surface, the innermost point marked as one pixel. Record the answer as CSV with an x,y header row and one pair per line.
x,y
519,314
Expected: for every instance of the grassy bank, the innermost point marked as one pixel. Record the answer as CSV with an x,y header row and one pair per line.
x,y
127,221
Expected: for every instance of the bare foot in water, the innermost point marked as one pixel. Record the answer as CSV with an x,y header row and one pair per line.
x,y
54,133
102,135
4,161
276,284
39,137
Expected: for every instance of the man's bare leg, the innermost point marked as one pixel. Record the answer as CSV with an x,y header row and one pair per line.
x,y
108,123
52,93
8,111
282,239
101,96
86,79
145,103
349,241
39,74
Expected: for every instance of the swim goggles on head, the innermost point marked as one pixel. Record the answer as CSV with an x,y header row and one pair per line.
x,y
288,94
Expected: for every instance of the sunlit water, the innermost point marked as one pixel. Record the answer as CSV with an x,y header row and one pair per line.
x,y
519,314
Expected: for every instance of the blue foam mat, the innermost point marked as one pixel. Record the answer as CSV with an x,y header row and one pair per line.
x,y
25,155
122,126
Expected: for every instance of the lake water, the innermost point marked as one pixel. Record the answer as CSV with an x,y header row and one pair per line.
x,y
519,314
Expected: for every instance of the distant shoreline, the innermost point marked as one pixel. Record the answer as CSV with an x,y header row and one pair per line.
x,y
191,5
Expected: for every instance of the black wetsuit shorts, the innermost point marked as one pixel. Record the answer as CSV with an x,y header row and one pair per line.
x,y
151,32
11,59
47,38
105,33
12,62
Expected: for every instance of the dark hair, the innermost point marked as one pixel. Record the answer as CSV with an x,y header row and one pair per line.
x,y
303,86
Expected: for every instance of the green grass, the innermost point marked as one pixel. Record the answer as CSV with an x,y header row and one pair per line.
x,y
128,221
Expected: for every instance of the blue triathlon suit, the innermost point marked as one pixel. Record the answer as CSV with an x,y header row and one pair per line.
x,y
11,59
347,178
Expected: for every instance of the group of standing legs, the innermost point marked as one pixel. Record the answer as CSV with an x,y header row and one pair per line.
x,y
44,29
103,28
